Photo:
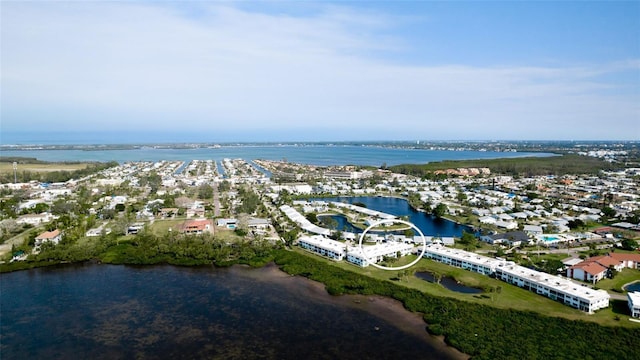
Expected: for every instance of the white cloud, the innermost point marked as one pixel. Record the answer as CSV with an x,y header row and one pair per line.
x,y
70,65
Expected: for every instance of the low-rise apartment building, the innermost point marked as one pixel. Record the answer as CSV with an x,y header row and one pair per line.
x,y
554,287
634,303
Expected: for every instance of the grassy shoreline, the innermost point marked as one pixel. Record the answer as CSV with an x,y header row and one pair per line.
x,y
485,328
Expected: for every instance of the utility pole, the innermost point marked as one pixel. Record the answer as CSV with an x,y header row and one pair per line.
x,y
15,172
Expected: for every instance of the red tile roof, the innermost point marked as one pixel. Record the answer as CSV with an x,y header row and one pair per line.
x,y
196,225
604,260
592,268
626,257
48,235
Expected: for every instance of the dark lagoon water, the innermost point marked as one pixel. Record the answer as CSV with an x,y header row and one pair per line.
x,y
448,283
633,287
428,224
162,312
305,154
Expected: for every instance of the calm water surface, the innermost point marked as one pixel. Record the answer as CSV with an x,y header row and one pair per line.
x,y
109,312
633,287
448,283
428,224
308,154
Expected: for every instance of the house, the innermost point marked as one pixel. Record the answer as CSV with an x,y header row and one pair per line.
x,y
508,225
589,271
49,236
228,223
512,238
199,226
169,212
631,261
533,230
195,212
35,219
487,220
257,223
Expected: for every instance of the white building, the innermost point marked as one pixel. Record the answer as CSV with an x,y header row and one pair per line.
x,y
53,237
462,259
533,230
554,287
332,249
35,219
377,253
634,303
303,222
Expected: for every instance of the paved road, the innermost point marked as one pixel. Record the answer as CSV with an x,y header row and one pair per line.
x,y
216,200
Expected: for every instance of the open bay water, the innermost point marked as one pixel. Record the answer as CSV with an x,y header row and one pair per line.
x,y
165,312
322,155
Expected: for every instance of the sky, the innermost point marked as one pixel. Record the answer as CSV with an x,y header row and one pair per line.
x,y
323,71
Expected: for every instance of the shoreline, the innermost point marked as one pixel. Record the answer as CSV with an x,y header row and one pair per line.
x,y
624,287
386,309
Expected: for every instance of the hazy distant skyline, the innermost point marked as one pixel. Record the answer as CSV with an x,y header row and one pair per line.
x,y
324,71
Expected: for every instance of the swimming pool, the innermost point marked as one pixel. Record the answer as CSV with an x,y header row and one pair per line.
x,y
549,238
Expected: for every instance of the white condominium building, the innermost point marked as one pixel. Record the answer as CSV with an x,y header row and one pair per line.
x,y
462,259
377,253
634,303
332,249
554,287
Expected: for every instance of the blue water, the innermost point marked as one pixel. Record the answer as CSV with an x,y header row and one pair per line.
x,y
163,312
448,283
342,224
307,154
633,287
428,224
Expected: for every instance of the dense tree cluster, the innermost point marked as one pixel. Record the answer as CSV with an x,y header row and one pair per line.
x,y
535,166
56,176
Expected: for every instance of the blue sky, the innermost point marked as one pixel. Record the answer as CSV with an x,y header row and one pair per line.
x,y
305,71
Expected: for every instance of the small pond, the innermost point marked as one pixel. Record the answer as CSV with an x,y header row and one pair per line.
x,y
633,287
448,283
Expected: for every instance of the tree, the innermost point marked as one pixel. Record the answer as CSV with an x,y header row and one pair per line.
x,y
329,222
440,210
575,224
205,191
629,244
312,217
469,241
153,180
608,212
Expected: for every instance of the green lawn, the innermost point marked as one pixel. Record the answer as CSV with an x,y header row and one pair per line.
x,y
624,277
161,227
510,296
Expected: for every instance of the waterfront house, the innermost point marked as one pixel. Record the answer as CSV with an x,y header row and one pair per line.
x,y
199,226
53,237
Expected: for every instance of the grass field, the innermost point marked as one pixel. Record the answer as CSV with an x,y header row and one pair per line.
x,y
510,296
8,167
622,278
